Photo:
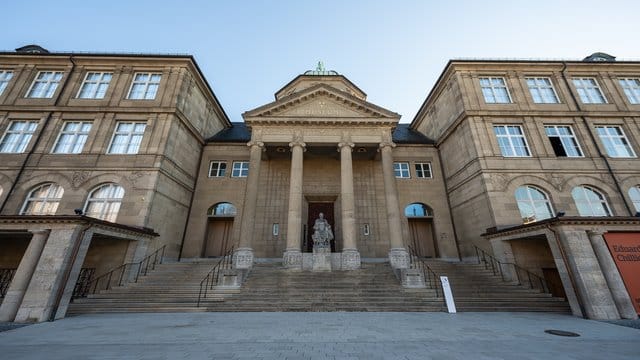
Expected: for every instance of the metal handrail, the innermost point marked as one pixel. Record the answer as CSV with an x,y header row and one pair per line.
x,y
6,276
211,279
431,279
496,266
93,286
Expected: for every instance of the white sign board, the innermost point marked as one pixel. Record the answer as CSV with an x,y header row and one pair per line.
x,y
448,296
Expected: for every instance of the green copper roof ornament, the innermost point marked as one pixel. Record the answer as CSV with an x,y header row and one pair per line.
x,y
320,70
320,67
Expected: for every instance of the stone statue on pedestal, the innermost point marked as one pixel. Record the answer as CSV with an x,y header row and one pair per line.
x,y
322,234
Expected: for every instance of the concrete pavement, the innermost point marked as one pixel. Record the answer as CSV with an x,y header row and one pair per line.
x,y
320,336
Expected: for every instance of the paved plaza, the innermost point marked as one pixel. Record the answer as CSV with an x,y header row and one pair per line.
x,y
320,336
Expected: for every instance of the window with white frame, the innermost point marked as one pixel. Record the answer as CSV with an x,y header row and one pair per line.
x,y
95,85
511,140
533,204
423,170
401,170
590,202
43,200
589,91
127,138
614,141
104,202
5,77
17,136
494,90
542,90
144,86
240,169
563,141
634,195
45,84
631,88
217,168
72,137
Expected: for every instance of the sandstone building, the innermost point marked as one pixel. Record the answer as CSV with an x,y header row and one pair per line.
x,y
532,161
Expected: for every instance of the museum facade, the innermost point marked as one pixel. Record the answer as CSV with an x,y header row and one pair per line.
x,y
532,161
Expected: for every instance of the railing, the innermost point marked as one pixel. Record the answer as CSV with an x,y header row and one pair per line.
x,y
523,276
6,275
84,281
116,277
211,279
431,279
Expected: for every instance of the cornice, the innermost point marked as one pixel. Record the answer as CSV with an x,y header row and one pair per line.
x,y
560,221
74,219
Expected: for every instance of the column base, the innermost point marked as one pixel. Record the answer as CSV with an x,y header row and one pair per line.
x,y
399,258
292,259
350,259
243,258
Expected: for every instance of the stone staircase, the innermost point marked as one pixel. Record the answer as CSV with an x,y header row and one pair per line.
x,y
174,287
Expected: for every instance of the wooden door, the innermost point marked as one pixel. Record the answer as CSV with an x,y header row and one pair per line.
x,y
552,276
326,208
422,237
218,234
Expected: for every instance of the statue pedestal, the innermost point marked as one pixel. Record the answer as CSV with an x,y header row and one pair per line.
x,y
321,259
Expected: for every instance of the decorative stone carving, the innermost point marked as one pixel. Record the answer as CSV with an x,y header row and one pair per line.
x,y
292,259
499,181
322,233
79,177
243,258
134,177
556,180
399,258
350,259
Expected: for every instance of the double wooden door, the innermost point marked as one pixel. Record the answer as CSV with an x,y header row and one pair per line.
x,y
218,235
422,239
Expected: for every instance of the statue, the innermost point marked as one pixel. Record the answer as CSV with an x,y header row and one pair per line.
x,y
322,234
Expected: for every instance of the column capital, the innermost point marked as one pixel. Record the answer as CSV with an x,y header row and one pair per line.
x,y
384,144
596,231
345,144
300,143
253,143
40,231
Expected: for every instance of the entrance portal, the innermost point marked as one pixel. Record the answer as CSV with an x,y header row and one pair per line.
x,y
422,237
218,234
315,209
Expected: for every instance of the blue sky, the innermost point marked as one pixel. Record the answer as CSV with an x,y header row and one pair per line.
x,y
393,50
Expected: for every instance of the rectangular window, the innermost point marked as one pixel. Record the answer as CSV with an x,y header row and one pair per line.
x,y
127,138
423,170
72,137
563,141
401,170
511,140
615,141
95,85
217,168
45,84
542,90
631,88
240,169
5,77
494,90
17,136
589,91
144,86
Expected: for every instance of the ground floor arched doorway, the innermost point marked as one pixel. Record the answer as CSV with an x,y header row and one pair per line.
x,y
420,218
219,227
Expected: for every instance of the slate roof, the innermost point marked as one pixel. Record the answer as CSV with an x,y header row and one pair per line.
x,y
238,132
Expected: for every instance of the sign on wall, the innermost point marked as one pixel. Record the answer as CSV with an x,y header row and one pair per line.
x,y
625,250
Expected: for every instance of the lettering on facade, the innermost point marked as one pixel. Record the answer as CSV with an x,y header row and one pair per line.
x,y
625,250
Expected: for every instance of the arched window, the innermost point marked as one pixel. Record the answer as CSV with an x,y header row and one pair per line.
x,y
222,209
533,204
104,202
634,194
417,210
43,200
590,202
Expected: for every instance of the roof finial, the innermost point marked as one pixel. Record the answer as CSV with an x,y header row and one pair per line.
x,y
320,66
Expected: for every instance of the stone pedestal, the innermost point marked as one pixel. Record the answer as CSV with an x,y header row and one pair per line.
x,y
243,258
350,259
321,259
399,258
292,259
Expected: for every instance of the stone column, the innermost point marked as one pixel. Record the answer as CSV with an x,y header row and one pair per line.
x,y
350,254
22,277
398,256
611,275
243,256
292,258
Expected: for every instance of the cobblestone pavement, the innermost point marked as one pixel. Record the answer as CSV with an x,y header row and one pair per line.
x,y
320,336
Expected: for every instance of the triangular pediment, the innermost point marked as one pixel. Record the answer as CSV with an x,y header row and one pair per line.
x,y
320,102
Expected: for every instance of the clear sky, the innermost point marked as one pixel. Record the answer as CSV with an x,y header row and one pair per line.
x,y
392,50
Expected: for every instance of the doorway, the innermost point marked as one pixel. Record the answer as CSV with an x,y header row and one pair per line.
x,y
315,208
554,282
218,234
422,237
